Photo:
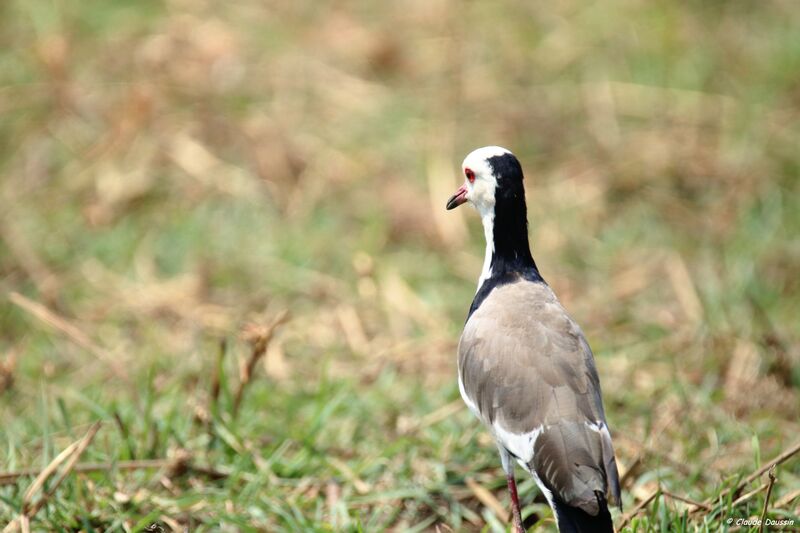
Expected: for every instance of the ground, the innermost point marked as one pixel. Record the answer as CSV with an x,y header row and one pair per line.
x,y
230,291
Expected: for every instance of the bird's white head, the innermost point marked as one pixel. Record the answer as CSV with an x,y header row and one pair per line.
x,y
480,180
493,185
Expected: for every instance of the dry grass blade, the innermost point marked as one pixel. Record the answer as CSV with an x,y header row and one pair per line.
x,y
61,324
441,184
748,496
70,464
259,338
69,456
787,499
361,486
766,498
408,425
749,479
55,321
175,466
7,369
48,471
684,499
685,289
488,499
770,465
627,475
7,478
642,504
353,329
215,377
744,498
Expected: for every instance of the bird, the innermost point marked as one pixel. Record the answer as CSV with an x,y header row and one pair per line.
x,y
525,368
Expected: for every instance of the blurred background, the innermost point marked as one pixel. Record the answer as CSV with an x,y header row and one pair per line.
x,y
223,236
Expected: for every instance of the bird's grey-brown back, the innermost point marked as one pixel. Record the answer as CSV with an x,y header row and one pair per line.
x,y
520,348
526,369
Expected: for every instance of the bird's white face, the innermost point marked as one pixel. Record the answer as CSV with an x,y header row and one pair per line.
x,y
479,189
479,181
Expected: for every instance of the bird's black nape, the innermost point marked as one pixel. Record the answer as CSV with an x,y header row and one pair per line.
x,y
512,257
512,251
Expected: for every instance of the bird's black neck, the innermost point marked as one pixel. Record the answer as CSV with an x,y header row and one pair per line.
x,y
511,259
512,252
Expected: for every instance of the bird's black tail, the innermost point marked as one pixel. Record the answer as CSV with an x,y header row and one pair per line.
x,y
576,520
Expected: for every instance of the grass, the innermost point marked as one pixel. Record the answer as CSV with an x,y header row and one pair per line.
x,y
175,175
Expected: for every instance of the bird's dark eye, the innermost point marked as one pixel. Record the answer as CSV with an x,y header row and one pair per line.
x,y
470,175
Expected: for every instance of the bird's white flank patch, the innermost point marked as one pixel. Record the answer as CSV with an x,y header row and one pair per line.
x,y
522,445
519,444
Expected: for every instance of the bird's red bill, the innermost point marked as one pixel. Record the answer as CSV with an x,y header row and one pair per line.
x,y
458,198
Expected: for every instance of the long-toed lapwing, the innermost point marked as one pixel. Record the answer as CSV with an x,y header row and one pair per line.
x,y
524,366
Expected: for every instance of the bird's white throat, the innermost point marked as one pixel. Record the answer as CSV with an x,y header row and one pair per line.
x,y
487,218
482,197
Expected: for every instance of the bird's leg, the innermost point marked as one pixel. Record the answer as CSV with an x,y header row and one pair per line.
x,y
512,488
508,467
